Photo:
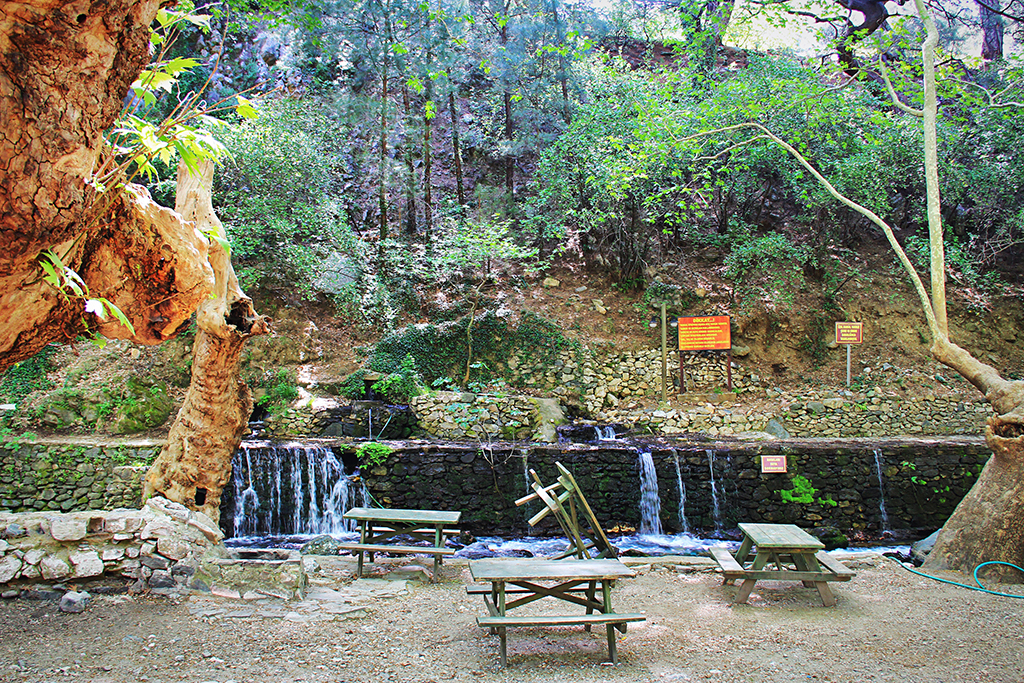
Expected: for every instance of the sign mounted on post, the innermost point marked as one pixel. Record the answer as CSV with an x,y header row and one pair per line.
x,y
849,333
773,464
705,333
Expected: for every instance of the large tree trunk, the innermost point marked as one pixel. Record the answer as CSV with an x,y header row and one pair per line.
x,y
65,70
988,524
195,464
992,30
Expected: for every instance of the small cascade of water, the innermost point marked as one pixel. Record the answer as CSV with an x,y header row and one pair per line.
x,y
650,502
369,423
605,432
881,491
716,510
292,489
684,525
247,502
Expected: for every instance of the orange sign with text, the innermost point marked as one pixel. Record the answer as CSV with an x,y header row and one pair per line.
x,y
705,333
849,333
773,464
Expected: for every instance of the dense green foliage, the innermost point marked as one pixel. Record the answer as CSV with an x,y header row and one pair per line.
x,y
440,352
21,379
425,155
279,201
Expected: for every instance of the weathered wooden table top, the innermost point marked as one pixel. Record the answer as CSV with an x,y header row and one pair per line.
x,y
436,517
775,536
539,569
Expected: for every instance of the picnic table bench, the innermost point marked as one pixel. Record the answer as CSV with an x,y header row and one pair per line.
x,y
377,525
796,555
515,582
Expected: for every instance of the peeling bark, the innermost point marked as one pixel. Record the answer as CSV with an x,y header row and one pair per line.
x,y
65,69
195,464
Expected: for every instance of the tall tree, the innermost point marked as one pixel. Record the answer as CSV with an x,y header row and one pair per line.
x,y
991,30
63,79
195,463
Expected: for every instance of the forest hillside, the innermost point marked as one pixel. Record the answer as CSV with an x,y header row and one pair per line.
x,y
452,173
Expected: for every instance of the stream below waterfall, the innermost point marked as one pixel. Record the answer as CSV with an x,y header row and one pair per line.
x,y
654,497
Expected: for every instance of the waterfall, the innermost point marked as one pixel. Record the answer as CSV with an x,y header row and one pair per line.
x,y
292,489
684,525
605,432
247,501
881,491
650,503
716,510
369,424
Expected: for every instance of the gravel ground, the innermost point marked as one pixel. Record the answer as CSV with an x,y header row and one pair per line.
x,y
888,625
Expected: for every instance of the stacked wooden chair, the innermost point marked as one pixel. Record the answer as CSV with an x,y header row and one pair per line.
x,y
566,502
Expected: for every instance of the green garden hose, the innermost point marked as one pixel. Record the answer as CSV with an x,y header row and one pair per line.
x,y
979,587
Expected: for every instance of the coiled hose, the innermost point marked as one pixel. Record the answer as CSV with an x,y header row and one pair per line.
x,y
979,587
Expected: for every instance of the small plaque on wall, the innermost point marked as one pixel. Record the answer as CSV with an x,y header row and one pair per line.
x,y
773,464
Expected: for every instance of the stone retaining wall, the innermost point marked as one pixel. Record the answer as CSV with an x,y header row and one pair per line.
x,y
704,487
603,383
72,476
160,547
485,417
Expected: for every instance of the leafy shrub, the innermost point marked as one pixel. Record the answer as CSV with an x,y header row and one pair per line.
x,y
770,266
401,385
279,204
440,351
373,454
279,390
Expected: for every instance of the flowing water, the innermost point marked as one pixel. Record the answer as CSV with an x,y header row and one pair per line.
x,y
650,501
716,510
881,490
318,491
684,525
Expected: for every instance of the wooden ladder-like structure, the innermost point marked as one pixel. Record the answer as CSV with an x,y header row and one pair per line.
x,y
565,500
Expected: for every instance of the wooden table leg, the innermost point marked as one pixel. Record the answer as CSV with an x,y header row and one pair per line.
x,y
824,590
801,563
748,584
612,655
502,637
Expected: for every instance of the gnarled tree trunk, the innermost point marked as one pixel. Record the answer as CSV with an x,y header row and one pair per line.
x,y
988,524
195,463
65,69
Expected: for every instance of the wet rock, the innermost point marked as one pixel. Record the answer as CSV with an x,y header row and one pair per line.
x,y
322,545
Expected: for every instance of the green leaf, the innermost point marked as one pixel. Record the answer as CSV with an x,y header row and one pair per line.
x,y
245,108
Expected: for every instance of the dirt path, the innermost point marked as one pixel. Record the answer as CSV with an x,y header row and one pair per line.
x,y
889,625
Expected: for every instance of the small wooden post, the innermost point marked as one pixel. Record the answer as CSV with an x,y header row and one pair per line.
x,y
728,369
664,355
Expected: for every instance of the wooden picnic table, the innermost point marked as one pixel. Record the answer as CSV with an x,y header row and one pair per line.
x,y
378,525
515,582
796,555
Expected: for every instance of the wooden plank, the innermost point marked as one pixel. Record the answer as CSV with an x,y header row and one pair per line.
x,y
834,565
418,530
387,515
533,496
400,549
487,590
780,537
526,569
560,620
600,539
730,567
791,575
